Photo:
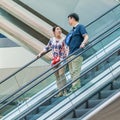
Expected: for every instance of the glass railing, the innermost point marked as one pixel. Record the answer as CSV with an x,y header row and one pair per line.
x,y
86,78
21,78
103,22
28,72
39,82
93,25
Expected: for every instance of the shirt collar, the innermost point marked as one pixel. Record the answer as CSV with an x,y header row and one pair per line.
x,y
76,25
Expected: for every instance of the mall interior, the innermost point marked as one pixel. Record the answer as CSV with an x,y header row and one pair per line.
x,y
28,89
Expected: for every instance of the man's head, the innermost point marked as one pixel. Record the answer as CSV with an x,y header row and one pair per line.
x,y
73,18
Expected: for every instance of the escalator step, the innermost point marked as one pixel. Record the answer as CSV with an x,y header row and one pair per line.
x,y
57,100
80,112
83,106
106,93
92,102
116,85
108,87
28,117
69,116
32,114
70,119
96,96
48,102
42,109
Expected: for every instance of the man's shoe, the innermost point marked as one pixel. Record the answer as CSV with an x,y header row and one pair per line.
x,y
74,88
60,94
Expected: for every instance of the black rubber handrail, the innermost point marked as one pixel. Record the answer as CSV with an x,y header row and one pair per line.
x,y
48,70
51,96
87,48
36,59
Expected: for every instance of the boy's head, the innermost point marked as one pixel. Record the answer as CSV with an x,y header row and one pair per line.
x,y
73,18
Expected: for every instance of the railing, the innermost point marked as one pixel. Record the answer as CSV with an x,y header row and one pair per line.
x,y
70,83
91,84
41,75
87,47
20,94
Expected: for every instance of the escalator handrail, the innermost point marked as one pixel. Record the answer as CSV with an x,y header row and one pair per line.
x,y
38,104
88,47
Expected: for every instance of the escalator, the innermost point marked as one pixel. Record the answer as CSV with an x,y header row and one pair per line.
x,y
12,101
104,81
111,108
106,38
94,101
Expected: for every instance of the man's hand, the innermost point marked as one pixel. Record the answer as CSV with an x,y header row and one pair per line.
x,y
85,41
82,45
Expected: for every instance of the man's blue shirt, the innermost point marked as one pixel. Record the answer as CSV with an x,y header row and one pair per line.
x,y
76,38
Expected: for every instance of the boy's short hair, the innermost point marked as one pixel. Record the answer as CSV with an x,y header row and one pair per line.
x,y
74,15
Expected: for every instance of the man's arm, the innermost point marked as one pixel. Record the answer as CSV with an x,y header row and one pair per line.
x,y
85,41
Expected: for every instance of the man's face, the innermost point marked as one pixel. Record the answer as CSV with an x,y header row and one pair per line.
x,y
70,21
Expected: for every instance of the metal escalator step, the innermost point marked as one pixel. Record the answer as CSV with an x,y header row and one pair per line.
x,y
70,119
80,112
106,93
108,87
57,100
48,102
116,85
32,114
96,96
83,106
28,117
69,116
42,109
92,102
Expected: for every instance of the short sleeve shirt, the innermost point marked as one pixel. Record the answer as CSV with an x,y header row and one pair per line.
x,y
77,38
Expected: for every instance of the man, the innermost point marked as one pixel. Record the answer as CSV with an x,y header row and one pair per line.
x,y
76,39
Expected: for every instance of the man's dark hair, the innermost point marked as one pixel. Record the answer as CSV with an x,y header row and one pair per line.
x,y
74,15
